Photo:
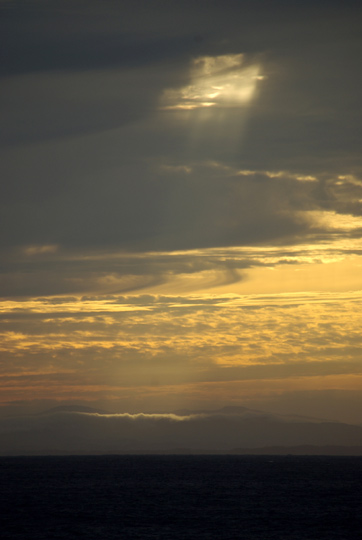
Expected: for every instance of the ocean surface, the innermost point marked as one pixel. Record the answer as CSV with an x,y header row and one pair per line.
x,y
181,497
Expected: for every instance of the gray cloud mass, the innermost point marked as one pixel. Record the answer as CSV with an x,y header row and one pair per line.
x,y
81,117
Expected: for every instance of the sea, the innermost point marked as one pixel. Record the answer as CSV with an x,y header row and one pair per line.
x,y
181,497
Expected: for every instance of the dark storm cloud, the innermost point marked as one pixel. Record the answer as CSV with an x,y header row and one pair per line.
x,y
25,273
73,35
83,203
58,104
310,51
42,35
80,48
308,111
85,144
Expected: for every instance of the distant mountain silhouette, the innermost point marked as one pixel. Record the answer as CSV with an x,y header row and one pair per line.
x,y
224,410
230,430
302,450
246,412
75,409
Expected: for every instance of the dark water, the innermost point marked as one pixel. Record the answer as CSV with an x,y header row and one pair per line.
x,y
181,497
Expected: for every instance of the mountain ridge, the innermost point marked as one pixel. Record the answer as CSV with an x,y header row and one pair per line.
x,y
84,430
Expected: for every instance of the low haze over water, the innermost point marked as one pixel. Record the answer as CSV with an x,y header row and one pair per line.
x,y
181,497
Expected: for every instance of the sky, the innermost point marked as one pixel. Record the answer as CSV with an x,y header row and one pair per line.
x,y
181,206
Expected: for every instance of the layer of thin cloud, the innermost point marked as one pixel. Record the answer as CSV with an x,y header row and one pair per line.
x,y
106,345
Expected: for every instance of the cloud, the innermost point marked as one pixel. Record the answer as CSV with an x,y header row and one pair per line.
x,y
88,142
137,208
82,39
106,345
